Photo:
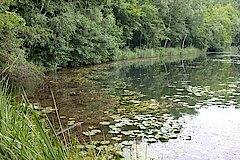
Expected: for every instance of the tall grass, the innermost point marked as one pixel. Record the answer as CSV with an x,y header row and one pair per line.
x,y
137,53
157,52
231,50
24,135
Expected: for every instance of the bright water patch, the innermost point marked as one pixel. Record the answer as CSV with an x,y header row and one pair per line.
x,y
200,99
212,134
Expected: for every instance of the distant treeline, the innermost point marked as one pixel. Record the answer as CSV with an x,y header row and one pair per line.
x,y
60,33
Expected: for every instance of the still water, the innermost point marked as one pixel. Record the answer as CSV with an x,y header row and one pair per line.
x,y
202,96
214,135
178,108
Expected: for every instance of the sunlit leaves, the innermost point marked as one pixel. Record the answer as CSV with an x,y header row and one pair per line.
x,y
218,26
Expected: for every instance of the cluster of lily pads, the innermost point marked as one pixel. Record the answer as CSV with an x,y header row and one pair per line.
x,y
149,128
103,149
139,119
39,109
224,96
151,120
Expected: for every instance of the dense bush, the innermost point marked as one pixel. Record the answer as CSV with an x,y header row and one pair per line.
x,y
65,35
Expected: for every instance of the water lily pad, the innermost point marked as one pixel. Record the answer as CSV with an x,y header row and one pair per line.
x,y
63,117
120,124
171,86
180,89
187,138
104,123
128,143
116,138
105,142
106,112
173,136
164,138
151,140
89,146
92,132
176,130
126,132
71,123
142,127
94,143
112,126
113,132
135,101
47,110
232,86
80,146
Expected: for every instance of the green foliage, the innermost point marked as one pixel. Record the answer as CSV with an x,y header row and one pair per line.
x,y
159,52
65,34
56,34
140,22
20,133
94,41
218,26
13,64
11,26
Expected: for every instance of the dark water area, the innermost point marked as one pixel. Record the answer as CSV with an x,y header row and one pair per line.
x,y
186,108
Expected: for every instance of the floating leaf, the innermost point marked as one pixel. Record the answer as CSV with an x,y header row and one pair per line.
x,y
114,132
135,101
127,133
92,132
63,117
80,146
163,139
71,123
151,140
105,142
89,146
173,136
116,138
127,143
104,123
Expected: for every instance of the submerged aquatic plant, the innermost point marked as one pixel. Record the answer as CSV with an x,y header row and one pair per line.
x,y
24,135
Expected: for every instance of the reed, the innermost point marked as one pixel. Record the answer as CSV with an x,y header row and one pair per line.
x,y
157,53
25,134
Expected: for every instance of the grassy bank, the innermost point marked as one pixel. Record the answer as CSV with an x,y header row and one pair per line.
x,y
21,73
27,134
158,52
23,135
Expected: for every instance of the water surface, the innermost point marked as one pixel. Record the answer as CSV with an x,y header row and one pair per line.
x,y
177,108
203,95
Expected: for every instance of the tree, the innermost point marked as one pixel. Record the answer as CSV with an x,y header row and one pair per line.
x,y
218,26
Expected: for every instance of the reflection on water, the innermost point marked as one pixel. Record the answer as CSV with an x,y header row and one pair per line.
x,y
177,109
212,134
205,95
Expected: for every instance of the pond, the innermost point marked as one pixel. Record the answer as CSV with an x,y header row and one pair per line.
x,y
176,108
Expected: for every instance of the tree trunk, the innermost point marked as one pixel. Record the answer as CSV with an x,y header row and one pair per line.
x,y
183,42
165,44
